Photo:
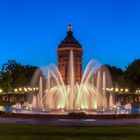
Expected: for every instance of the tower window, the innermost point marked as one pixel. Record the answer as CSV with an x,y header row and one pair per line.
x,y
63,65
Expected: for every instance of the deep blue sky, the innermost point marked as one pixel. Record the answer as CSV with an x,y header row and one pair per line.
x,y
109,30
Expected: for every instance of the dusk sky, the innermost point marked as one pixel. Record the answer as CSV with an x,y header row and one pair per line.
x,y
109,30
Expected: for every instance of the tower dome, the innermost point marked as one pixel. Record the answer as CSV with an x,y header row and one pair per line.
x,y
63,51
69,40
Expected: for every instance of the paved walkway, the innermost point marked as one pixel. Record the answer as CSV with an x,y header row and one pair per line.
x,y
70,122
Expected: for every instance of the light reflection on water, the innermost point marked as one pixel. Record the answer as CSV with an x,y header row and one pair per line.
x,y
7,109
11,109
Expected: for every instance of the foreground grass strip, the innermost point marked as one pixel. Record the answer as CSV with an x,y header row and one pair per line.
x,y
36,132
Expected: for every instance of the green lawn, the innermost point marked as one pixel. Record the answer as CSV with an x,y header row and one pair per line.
x,y
32,132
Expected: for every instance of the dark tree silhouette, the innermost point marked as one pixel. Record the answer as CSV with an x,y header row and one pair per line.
x,y
15,75
132,75
117,75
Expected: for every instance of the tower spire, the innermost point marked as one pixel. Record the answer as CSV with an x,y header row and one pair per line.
x,y
69,27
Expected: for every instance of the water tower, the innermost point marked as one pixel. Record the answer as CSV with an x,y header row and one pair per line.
x,y
63,52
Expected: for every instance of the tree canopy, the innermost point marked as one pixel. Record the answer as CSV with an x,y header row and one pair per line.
x,y
129,78
116,75
132,75
14,75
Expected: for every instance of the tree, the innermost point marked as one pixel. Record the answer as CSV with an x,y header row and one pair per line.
x,y
6,81
6,75
15,75
116,75
132,75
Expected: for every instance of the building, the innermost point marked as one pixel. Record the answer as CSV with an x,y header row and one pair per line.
x,y
63,52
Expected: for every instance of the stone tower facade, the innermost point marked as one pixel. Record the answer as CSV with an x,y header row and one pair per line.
x,y
63,52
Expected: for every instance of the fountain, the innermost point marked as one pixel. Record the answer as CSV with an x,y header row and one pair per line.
x,y
66,89
54,94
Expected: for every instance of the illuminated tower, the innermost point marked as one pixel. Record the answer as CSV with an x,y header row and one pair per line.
x,y
63,52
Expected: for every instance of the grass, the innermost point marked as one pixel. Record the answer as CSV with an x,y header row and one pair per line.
x,y
36,132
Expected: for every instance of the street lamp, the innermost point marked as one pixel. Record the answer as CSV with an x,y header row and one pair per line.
x,y
15,90
0,90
